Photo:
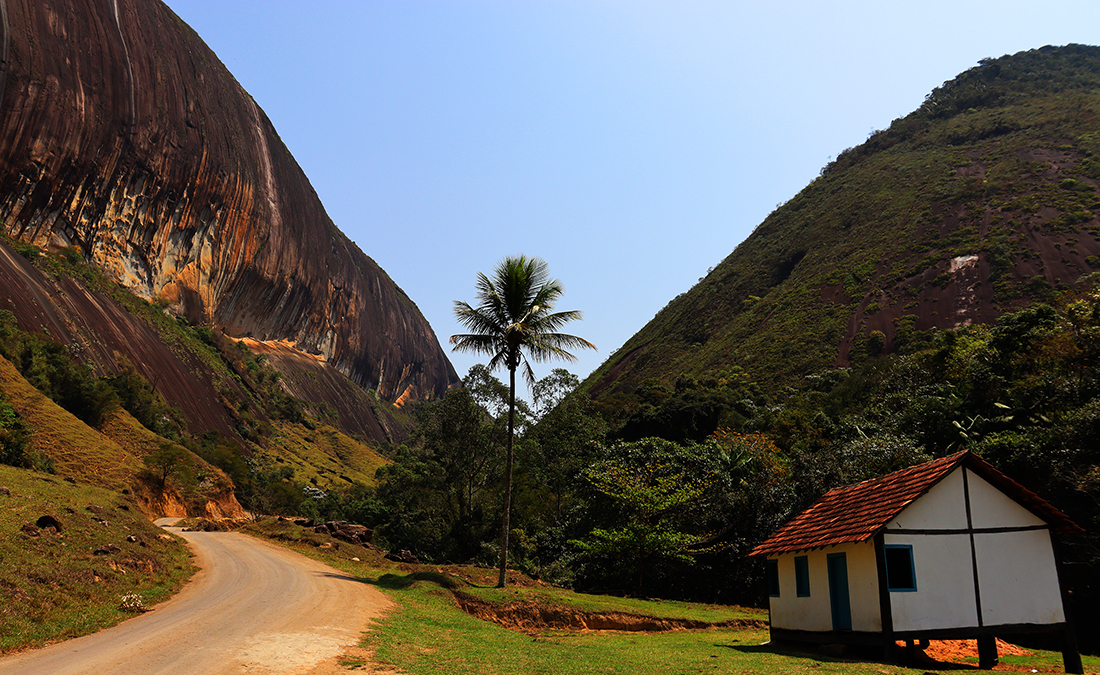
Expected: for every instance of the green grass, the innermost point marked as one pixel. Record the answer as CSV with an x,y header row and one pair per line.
x,y
427,633
353,662
53,586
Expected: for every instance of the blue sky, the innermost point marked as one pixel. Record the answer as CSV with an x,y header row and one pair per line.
x,y
632,145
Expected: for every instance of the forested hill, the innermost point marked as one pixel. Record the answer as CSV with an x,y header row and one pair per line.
x,y
981,201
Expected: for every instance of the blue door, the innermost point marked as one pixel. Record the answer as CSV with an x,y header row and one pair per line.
x,y
838,591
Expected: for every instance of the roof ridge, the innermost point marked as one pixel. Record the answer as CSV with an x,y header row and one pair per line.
x,y
850,486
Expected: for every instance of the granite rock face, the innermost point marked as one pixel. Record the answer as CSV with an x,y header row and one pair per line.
x,y
122,134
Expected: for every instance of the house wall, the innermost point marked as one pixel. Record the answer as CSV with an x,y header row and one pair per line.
x,y
945,584
1017,577
814,613
989,507
941,508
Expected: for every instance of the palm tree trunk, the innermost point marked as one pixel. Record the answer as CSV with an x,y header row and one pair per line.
x,y
508,478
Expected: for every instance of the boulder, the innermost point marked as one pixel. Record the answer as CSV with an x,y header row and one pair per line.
x,y
345,531
354,534
49,521
403,556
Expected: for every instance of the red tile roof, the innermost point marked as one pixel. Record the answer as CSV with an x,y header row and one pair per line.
x,y
858,512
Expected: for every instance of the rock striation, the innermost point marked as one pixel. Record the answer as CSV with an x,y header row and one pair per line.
x,y
124,136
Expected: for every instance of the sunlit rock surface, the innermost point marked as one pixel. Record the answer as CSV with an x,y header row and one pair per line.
x,y
121,133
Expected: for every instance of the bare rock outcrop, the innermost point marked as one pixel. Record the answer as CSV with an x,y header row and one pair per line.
x,y
122,134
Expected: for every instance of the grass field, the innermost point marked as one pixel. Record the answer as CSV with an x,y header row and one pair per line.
x,y
428,633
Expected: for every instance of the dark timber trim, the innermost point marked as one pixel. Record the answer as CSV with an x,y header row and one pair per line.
x,y
973,550
977,530
987,652
885,609
874,638
985,635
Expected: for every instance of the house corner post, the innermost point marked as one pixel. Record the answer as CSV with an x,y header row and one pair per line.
x,y
1071,654
886,613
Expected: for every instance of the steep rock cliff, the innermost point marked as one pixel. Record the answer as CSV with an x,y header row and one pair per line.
x,y
122,134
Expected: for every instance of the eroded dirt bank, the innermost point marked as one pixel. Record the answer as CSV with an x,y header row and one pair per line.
x,y
530,616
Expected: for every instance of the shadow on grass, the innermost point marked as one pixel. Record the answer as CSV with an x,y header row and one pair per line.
x,y
918,662
400,582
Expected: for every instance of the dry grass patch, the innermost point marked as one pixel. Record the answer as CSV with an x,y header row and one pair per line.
x,y
325,456
76,449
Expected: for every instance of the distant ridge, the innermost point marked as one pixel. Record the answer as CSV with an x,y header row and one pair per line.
x,y
981,201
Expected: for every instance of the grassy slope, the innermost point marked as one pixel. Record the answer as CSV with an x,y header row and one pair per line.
x,y
111,457
53,586
326,453
210,483
76,449
879,228
324,456
427,633
114,454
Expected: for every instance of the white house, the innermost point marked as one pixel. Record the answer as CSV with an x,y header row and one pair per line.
x,y
948,549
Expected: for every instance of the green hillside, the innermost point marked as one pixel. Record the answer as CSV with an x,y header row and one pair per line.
x,y
103,387
996,171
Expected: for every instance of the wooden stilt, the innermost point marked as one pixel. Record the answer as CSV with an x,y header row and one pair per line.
x,y
1071,655
987,652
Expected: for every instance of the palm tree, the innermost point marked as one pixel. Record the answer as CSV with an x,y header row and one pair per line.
x,y
514,321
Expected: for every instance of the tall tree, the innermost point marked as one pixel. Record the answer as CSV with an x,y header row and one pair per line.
x,y
513,323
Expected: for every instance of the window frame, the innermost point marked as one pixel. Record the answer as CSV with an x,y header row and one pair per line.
x,y
802,576
771,573
912,569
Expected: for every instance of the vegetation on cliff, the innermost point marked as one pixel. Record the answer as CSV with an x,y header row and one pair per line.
x,y
62,410
981,201
933,289
930,291
125,140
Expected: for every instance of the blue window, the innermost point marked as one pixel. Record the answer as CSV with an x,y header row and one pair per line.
x,y
802,576
901,575
772,573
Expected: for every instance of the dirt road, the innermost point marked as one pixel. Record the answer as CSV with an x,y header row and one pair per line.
x,y
253,608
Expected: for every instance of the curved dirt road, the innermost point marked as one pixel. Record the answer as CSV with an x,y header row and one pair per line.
x,y
252,608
